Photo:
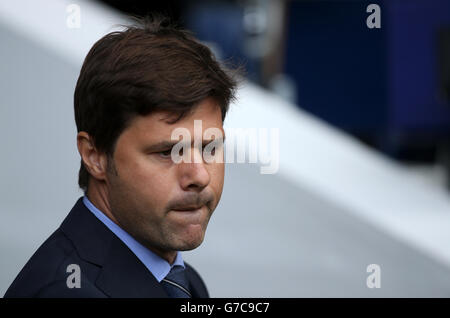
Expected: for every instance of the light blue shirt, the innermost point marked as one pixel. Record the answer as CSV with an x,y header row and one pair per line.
x,y
155,264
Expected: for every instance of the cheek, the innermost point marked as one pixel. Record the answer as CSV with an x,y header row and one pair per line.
x,y
155,185
217,172
146,181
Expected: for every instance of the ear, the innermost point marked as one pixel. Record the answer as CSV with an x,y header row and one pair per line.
x,y
94,161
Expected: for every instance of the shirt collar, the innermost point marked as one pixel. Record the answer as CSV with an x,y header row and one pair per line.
x,y
155,264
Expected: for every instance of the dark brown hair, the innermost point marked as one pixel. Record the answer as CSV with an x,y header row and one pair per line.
x,y
147,67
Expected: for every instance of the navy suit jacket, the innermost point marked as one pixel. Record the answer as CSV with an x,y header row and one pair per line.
x,y
108,267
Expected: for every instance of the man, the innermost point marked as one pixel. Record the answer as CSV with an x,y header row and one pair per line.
x,y
140,209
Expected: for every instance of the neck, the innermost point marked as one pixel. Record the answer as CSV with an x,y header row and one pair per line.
x,y
97,193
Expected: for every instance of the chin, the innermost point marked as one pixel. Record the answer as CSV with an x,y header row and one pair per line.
x,y
191,242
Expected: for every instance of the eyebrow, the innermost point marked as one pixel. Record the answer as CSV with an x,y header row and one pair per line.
x,y
166,144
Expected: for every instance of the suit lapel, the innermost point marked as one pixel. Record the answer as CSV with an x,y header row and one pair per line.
x,y
197,288
124,275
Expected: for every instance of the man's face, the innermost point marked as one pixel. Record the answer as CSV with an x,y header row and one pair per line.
x,y
147,189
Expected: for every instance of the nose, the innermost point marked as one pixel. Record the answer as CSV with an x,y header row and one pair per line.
x,y
194,176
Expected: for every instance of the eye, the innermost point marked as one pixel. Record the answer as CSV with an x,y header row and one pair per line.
x,y
165,154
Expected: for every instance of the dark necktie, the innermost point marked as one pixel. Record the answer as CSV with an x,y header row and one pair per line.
x,y
176,284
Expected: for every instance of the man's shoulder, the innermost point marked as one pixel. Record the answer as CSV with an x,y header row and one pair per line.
x,y
43,267
47,271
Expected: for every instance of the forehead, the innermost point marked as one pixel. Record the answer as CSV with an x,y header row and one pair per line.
x,y
159,125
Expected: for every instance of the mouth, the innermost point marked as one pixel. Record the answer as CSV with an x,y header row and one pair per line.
x,y
194,215
189,208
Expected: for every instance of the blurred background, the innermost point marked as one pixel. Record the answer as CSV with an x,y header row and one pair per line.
x,y
360,95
